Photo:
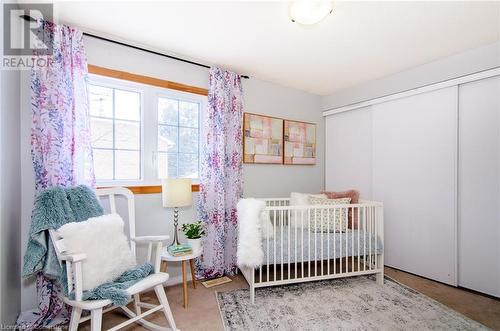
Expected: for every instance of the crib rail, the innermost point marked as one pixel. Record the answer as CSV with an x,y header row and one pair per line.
x,y
308,244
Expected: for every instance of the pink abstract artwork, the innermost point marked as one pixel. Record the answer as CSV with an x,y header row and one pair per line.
x,y
262,139
300,143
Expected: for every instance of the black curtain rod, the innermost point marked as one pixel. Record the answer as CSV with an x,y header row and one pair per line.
x,y
31,19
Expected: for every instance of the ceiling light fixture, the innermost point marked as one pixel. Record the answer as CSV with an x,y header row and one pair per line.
x,y
308,12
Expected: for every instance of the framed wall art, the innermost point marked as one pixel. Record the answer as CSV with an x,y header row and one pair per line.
x,y
300,142
262,139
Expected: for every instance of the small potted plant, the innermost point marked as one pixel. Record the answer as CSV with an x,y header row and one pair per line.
x,y
194,232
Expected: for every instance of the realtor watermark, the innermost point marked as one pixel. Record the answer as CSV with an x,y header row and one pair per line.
x,y
26,44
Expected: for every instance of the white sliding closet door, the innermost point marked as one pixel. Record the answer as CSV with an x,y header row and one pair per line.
x,y
479,186
349,151
414,175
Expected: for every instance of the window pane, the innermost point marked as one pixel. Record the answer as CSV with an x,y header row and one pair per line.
x,y
167,165
127,135
100,101
127,165
168,111
101,131
188,114
167,138
103,164
127,105
188,140
188,165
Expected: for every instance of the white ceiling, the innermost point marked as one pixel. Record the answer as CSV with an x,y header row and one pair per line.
x,y
359,42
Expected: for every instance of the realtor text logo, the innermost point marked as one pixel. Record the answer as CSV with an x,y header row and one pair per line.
x,y
25,43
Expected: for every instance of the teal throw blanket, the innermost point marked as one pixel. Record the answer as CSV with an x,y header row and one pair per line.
x,y
53,208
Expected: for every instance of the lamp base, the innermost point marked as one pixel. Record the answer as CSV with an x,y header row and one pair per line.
x,y
175,242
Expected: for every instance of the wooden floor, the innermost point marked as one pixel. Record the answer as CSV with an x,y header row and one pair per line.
x,y
203,312
481,308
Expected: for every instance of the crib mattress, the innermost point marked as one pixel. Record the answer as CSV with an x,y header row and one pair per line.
x,y
339,244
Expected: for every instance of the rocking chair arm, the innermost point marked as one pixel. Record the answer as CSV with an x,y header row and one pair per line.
x,y
73,257
74,273
150,239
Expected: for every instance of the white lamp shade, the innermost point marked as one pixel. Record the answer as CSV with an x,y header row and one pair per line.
x,y
176,192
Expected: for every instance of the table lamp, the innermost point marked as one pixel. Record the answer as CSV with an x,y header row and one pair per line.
x,y
176,192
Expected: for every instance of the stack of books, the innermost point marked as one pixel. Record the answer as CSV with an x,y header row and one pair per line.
x,y
180,250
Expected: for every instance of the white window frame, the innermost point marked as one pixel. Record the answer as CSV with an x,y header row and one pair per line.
x,y
127,86
149,125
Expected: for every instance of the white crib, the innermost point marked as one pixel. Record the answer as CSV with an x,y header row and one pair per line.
x,y
296,254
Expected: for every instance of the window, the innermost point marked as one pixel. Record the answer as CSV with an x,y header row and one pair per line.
x,y
141,133
178,138
115,120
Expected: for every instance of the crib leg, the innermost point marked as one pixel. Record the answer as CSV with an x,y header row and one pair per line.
x,y
380,264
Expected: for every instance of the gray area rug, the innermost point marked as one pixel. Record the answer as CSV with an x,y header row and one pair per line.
x,y
355,303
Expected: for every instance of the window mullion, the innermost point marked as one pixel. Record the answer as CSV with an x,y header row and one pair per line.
x,y
150,136
114,137
178,135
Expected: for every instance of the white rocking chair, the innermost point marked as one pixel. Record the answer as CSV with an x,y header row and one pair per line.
x,y
98,307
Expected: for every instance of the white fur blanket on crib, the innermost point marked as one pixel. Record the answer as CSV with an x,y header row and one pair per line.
x,y
253,225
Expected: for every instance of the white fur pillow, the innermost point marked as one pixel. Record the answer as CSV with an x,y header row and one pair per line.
x,y
104,242
302,199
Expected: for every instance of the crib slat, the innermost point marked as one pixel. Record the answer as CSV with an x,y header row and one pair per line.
x,y
334,246
274,244
340,243
364,238
352,239
267,252
281,239
315,242
328,241
295,241
260,267
302,242
357,227
322,258
346,245
309,246
370,242
288,220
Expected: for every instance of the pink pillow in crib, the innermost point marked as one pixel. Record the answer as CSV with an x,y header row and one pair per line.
x,y
354,195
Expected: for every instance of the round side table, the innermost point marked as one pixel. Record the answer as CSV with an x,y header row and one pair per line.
x,y
166,257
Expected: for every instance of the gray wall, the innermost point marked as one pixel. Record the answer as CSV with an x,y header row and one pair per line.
x,y
465,63
259,180
267,180
10,194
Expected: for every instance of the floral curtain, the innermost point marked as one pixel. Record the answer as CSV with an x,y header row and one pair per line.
x,y
221,173
60,141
